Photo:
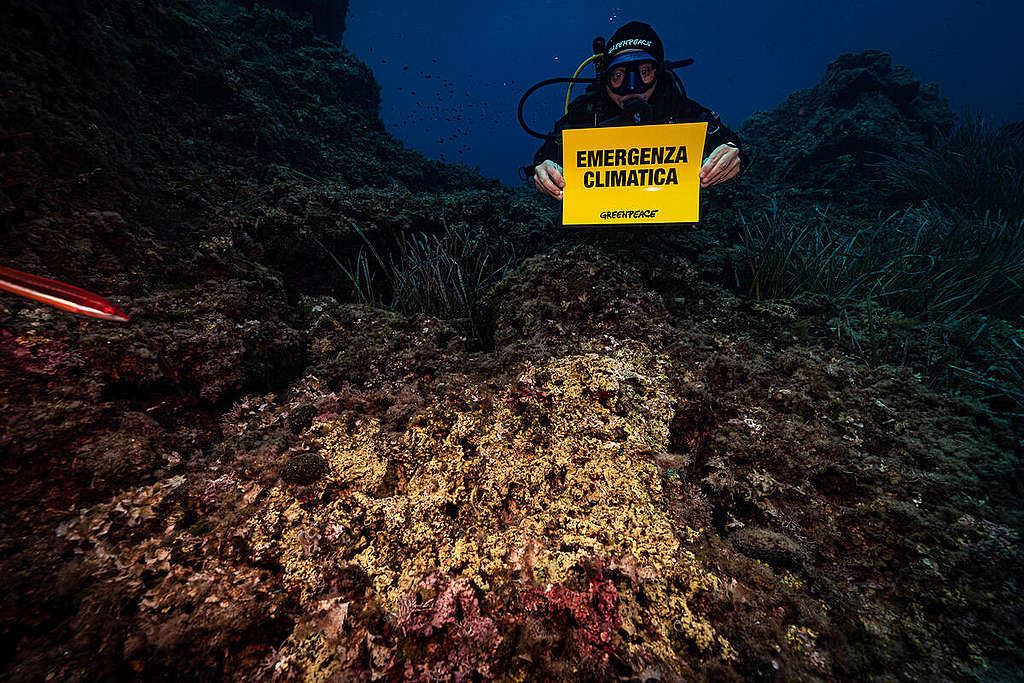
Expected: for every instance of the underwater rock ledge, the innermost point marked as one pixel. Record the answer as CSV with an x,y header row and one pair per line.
x,y
626,493
255,481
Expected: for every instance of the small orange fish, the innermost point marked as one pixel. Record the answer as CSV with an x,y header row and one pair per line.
x,y
63,296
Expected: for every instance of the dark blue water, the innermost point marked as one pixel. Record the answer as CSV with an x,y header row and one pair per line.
x,y
451,74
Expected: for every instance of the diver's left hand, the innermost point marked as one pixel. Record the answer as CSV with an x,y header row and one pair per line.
x,y
722,165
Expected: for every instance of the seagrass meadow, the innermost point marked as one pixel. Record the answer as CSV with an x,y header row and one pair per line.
x,y
379,417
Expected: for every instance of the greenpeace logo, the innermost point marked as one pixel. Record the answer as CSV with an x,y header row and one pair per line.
x,y
630,42
642,213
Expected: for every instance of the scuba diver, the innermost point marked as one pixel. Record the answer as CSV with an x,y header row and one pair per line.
x,y
635,85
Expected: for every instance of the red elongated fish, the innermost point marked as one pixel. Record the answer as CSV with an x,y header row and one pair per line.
x,y
58,294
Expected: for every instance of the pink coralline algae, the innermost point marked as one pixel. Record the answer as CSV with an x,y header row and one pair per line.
x,y
37,355
590,616
448,636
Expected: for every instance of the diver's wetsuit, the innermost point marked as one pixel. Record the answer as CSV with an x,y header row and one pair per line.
x,y
668,105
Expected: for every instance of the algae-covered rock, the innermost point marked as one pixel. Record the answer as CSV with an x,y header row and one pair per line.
x,y
258,479
328,15
586,504
774,548
514,491
591,296
825,136
304,469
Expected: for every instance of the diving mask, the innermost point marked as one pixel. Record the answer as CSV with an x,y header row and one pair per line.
x,y
631,73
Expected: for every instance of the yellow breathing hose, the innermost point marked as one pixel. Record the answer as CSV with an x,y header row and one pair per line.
x,y
568,93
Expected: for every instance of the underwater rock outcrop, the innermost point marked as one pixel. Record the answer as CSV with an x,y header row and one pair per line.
x,y
627,492
327,16
191,122
827,136
642,476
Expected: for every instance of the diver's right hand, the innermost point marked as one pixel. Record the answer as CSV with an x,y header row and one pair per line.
x,y
548,179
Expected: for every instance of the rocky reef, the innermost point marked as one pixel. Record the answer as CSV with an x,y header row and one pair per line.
x,y
827,136
635,473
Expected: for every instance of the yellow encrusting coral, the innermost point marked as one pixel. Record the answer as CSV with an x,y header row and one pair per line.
x,y
558,468
355,459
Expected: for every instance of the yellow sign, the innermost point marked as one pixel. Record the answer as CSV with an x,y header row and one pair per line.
x,y
632,174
